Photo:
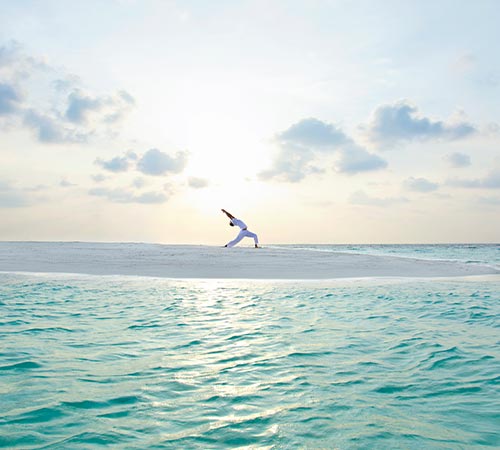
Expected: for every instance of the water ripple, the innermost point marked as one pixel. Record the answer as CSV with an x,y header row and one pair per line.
x,y
25,365
94,362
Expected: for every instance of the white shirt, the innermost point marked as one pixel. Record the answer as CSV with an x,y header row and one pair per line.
x,y
239,223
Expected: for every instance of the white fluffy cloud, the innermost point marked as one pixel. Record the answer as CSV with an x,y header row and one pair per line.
x,y
66,184
301,146
292,163
155,162
197,183
457,160
98,178
139,182
490,181
355,159
73,118
15,65
82,108
10,99
118,163
12,196
420,185
48,130
401,122
313,133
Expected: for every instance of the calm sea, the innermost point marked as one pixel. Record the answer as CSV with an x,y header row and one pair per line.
x,y
485,254
130,362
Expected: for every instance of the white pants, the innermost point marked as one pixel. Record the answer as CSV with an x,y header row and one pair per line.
x,y
241,235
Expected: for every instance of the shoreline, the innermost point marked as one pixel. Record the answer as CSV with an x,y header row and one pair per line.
x,y
495,277
210,262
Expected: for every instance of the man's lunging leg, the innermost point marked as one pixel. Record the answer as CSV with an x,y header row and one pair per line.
x,y
254,236
237,239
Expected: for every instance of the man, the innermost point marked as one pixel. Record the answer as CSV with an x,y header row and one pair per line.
x,y
233,221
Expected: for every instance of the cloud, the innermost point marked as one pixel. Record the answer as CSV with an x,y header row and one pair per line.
x,y
490,181
66,83
491,80
465,63
118,163
354,159
400,122
292,164
361,198
108,109
314,133
79,107
49,130
152,197
126,97
65,183
12,197
9,54
9,99
197,183
492,128
301,145
420,185
47,108
118,106
15,65
457,160
139,182
118,195
99,178
155,162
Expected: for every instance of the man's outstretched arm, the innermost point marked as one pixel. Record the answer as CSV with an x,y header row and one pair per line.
x,y
228,214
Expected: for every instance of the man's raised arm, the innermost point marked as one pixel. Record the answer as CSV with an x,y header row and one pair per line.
x,y
227,214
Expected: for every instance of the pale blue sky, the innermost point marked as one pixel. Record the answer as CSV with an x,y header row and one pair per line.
x,y
315,121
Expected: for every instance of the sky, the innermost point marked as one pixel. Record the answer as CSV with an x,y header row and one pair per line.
x,y
314,121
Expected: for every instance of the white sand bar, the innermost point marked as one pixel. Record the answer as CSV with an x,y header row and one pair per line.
x,y
192,261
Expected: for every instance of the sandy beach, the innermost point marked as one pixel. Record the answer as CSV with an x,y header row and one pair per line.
x,y
192,261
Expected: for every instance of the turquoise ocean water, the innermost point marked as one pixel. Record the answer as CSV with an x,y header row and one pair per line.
x,y
485,254
131,362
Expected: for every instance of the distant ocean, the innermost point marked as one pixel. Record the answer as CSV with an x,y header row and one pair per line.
x,y
485,254
135,362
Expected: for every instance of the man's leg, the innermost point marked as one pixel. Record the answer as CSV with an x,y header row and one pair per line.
x,y
237,239
252,235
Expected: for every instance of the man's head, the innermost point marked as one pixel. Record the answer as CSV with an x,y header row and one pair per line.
x,y
231,224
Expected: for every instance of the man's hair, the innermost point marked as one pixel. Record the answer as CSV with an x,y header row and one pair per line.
x,y
231,224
